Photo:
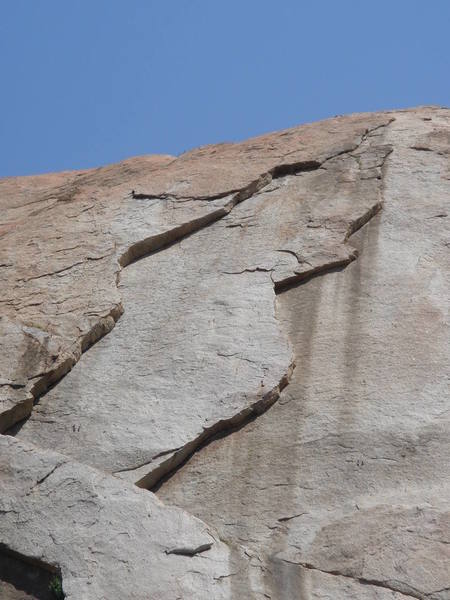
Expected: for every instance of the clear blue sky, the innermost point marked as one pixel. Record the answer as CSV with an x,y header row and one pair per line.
x,y
88,82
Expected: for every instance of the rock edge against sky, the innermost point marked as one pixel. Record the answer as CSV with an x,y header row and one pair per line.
x,y
225,375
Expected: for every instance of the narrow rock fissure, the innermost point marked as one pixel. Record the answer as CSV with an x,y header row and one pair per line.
x,y
39,481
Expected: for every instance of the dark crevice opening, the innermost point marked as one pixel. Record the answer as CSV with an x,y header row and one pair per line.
x,y
22,578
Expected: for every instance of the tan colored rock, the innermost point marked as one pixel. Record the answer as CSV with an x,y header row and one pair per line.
x,y
64,236
327,481
199,346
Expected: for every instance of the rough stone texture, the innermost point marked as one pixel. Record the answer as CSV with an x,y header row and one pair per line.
x,y
107,538
327,481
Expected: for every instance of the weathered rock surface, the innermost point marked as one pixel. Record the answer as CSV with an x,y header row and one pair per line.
x,y
108,539
65,236
349,473
340,490
199,344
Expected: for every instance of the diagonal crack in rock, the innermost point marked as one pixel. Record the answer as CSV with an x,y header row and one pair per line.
x,y
144,458
165,470
15,411
398,587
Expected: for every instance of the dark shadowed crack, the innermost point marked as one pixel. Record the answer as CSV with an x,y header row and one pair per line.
x,y
185,551
427,149
251,270
284,519
336,264
438,216
12,384
43,382
46,476
143,196
42,479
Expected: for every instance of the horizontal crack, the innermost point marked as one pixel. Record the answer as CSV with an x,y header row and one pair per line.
x,y
274,173
166,196
295,168
254,270
185,551
427,149
284,519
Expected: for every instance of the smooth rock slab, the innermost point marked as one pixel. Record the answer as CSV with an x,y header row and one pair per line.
x,y
109,540
199,345
64,237
341,489
349,472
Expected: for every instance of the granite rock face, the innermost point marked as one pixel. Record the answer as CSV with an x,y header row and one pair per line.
x,y
279,369
107,539
349,473
200,345
66,236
